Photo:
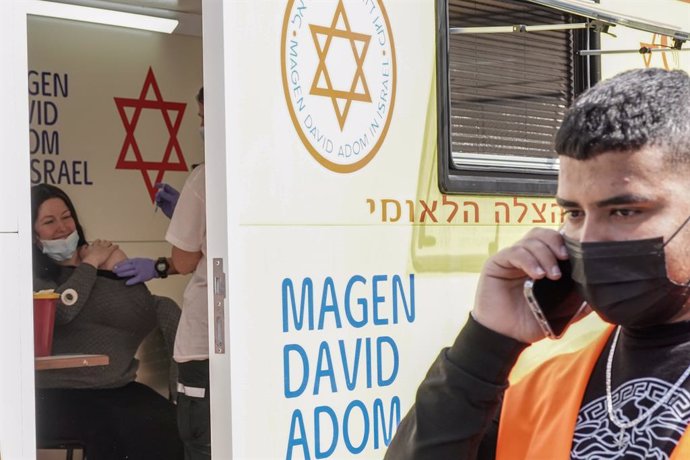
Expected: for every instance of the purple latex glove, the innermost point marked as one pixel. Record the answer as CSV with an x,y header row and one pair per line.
x,y
166,198
138,270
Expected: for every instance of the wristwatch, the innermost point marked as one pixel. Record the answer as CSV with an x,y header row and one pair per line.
x,y
162,266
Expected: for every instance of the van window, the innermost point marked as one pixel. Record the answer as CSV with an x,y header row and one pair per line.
x,y
502,96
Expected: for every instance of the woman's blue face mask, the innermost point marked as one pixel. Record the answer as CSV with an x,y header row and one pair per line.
x,y
61,249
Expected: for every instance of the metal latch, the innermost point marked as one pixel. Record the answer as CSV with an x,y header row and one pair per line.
x,y
219,305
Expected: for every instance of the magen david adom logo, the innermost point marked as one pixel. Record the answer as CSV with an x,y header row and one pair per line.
x,y
339,75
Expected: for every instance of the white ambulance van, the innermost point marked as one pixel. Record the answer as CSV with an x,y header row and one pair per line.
x,y
363,159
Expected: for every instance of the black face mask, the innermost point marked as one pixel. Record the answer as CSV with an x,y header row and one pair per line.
x,y
626,282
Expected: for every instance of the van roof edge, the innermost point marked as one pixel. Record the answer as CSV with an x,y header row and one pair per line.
x,y
592,10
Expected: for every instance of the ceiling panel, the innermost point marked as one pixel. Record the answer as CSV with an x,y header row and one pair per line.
x,y
183,6
180,6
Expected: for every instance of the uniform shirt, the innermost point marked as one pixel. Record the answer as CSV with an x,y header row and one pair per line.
x,y
187,231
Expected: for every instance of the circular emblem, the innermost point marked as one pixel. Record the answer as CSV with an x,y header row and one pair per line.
x,y
339,75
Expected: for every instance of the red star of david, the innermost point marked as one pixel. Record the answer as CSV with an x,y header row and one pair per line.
x,y
166,108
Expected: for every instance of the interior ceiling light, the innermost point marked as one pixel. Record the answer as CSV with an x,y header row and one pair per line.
x,y
101,16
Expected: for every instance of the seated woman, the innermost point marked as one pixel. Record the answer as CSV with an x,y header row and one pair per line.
x,y
102,407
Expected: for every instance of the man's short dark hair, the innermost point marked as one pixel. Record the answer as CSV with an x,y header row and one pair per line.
x,y
635,109
200,95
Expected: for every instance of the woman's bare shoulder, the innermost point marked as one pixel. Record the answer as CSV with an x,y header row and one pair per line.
x,y
116,257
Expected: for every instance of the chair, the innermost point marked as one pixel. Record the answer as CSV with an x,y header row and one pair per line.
x,y
68,445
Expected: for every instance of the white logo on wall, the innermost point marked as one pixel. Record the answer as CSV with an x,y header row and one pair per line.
x,y
339,76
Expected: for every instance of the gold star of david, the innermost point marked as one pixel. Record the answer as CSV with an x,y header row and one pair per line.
x,y
663,43
322,70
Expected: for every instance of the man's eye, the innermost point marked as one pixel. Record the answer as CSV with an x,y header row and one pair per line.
x,y
624,212
572,213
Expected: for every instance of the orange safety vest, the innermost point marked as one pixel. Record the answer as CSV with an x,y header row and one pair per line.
x,y
539,413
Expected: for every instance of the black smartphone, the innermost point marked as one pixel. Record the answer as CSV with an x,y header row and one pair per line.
x,y
554,304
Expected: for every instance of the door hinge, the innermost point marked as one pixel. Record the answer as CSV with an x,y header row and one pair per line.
x,y
218,306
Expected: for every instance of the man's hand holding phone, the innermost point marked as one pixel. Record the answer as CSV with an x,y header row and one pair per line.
x,y
555,304
500,302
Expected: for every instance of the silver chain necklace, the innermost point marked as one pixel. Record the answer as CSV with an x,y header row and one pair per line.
x,y
623,438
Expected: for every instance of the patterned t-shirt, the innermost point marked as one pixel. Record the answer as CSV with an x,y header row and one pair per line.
x,y
646,364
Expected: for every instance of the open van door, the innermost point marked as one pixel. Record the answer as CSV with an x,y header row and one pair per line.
x,y
17,438
319,112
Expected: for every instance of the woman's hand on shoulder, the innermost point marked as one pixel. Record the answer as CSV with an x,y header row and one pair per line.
x,y
98,253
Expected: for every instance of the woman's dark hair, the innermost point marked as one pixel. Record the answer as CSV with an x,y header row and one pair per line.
x,y
44,267
200,96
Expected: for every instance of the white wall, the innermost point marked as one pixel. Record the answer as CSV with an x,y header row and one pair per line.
x,y
78,134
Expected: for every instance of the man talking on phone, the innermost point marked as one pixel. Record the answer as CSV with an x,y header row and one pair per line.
x,y
624,149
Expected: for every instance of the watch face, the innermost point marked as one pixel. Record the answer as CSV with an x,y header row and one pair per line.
x,y
162,265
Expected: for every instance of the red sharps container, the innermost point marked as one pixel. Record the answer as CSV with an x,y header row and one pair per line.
x,y
44,322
